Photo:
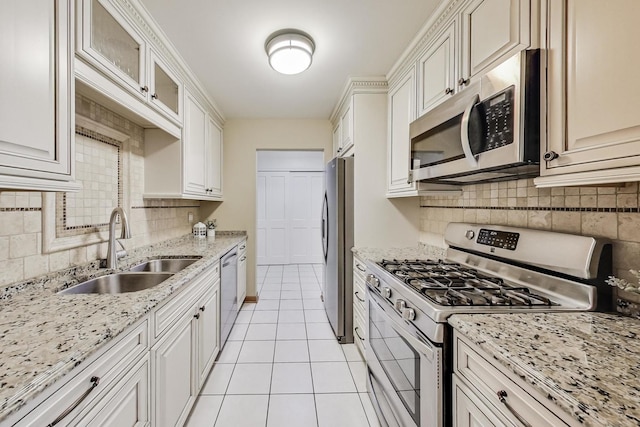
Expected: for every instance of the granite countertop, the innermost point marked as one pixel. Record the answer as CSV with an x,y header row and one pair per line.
x,y
420,251
44,335
586,363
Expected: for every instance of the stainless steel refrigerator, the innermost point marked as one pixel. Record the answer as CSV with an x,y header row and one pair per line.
x,y
337,241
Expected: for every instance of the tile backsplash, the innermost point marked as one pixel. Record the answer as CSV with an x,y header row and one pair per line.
x,y
610,212
21,213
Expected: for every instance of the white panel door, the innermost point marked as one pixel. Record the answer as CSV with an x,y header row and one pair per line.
x,y
272,226
305,195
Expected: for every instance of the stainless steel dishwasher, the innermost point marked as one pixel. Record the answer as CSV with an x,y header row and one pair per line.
x,y
228,293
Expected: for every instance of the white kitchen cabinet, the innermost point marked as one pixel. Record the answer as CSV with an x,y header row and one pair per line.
x,y
486,394
491,31
108,41
592,98
437,70
165,87
346,130
127,404
87,391
360,320
194,146
173,377
336,140
242,273
208,342
402,111
343,120
214,155
36,86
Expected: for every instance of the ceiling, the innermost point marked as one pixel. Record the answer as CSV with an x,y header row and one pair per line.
x,y
223,43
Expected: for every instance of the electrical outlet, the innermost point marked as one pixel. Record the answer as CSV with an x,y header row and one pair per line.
x,y
190,216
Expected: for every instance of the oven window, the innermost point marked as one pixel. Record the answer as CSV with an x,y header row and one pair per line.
x,y
399,360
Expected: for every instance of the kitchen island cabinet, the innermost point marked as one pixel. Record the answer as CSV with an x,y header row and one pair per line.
x,y
36,86
576,369
593,125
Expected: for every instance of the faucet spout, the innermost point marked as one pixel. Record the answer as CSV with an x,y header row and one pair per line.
x,y
112,253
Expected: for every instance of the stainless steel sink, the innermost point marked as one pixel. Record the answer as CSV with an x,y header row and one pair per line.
x,y
118,283
169,265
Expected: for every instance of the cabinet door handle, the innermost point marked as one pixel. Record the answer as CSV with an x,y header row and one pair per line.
x,y
144,89
242,247
202,308
358,298
243,258
154,96
359,267
94,383
448,91
550,155
357,334
197,315
502,396
463,82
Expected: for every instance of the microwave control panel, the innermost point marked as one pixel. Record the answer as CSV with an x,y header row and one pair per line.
x,y
498,114
498,239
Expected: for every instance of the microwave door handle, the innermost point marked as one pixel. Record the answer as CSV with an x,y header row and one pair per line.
x,y
464,133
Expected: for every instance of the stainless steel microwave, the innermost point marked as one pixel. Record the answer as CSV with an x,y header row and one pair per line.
x,y
490,131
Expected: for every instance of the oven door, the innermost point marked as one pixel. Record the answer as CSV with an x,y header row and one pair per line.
x,y
405,370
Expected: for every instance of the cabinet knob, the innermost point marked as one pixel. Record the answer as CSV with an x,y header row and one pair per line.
x,y
339,150
202,308
550,155
144,89
197,315
463,82
448,91
154,96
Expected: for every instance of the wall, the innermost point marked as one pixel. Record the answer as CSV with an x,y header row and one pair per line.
x,y
242,138
610,212
21,213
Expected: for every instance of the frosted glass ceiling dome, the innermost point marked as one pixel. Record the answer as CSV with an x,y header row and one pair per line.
x,y
289,51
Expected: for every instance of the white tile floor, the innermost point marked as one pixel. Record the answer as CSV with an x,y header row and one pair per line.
x,y
282,366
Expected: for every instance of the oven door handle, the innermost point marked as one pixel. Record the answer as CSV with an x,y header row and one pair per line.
x,y
464,133
415,339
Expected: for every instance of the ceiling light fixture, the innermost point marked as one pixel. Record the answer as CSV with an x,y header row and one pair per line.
x,y
289,51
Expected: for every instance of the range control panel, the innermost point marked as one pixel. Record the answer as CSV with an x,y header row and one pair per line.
x,y
498,239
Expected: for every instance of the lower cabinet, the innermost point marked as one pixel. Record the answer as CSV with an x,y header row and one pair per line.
x,y
485,395
360,320
137,381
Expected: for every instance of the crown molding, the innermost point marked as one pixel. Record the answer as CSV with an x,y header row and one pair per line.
x,y
434,24
358,85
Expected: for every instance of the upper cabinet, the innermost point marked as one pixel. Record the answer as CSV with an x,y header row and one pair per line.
x,y
112,44
343,141
593,125
479,36
402,111
36,86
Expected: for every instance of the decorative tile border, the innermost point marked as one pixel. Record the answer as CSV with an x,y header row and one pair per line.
x,y
165,207
537,208
20,209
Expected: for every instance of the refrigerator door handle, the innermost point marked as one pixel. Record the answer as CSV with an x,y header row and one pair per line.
x,y
325,226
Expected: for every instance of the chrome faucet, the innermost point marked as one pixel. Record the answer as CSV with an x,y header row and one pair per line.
x,y
112,253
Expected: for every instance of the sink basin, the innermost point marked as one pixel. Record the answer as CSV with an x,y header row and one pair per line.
x,y
168,265
118,283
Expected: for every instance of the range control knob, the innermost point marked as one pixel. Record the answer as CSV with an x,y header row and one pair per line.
x,y
470,234
408,314
386,292
400,305
373,281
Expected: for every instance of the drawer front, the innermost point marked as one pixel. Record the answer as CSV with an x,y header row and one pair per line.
x,y
468,410
359,268
106,369
169,313
358,294
491,383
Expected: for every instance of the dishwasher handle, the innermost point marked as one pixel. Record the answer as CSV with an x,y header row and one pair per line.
x,y
227,259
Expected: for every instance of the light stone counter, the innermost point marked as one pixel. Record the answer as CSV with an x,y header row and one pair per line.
x,y
43,335
586,363
413,252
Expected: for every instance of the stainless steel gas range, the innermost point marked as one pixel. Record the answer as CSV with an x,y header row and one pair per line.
x,y
488,269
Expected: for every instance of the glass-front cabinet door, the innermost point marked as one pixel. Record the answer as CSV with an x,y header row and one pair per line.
x,y
109,41
165,87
